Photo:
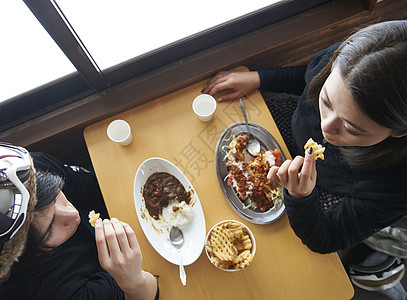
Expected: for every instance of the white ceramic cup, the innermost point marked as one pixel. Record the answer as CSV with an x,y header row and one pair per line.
x,y
204,107
119,132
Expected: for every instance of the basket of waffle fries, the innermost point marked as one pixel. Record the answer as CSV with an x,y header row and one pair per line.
x,y
230,245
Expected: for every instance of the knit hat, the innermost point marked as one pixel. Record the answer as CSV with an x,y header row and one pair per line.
x,y
14,247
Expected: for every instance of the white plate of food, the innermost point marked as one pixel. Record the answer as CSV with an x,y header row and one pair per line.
x,y
163,196
261,209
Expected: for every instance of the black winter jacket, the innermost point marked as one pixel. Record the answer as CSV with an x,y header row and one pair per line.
x,y
373,199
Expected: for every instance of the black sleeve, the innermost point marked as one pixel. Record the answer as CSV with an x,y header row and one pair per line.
x,y
288,80
81,186
344,224
102,286
293,80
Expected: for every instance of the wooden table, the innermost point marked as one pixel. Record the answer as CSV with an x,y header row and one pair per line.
x,y
283,268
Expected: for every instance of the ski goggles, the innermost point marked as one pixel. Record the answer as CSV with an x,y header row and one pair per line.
x,y
15,166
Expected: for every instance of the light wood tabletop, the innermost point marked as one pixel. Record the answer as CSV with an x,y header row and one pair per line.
x,y
283,268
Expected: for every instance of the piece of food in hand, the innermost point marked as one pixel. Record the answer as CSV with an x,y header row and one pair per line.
x,y
317,149
93,217
229,246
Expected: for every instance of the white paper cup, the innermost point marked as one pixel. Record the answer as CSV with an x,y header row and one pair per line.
x,y
204,107
119,132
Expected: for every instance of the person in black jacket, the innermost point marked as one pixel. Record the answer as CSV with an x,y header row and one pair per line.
x,y
59,255
354,103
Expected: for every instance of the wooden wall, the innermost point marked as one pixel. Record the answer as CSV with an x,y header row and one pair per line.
x,y
289,42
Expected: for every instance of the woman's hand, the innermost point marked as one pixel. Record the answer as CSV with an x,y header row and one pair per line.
x,y
241,84
119,254
299,184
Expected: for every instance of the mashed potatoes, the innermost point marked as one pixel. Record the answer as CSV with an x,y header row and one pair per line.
x,y
177,214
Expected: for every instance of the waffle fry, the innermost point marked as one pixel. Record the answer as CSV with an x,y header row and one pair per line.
x,y
229,246
222,245
93,217
247,242
242,257
236,230
317,149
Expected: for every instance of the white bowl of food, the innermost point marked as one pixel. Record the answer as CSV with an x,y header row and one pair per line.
x,y
230,246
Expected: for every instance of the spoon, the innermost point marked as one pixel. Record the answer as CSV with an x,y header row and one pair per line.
x,y
253,145
177,239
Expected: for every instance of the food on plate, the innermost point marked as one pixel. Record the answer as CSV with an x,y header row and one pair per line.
x,y
160,190
177,214
93,217
229,246
317,149
248,176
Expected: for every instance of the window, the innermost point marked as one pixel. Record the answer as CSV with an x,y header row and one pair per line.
x,y
117,31
100,45
29,56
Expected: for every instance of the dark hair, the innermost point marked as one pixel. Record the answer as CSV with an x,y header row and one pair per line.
x,y
373,63
48,188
